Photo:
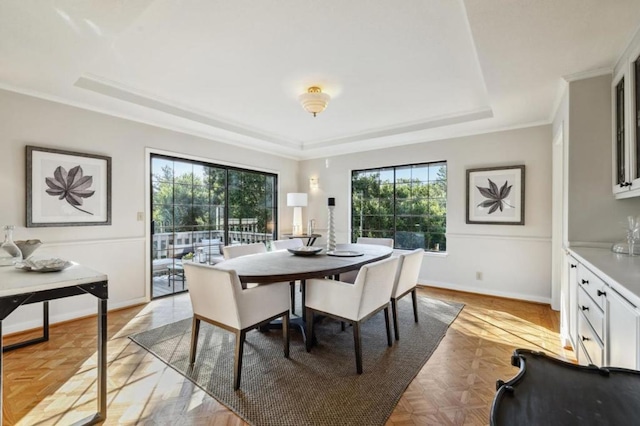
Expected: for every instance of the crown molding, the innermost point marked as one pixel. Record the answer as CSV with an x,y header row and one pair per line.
x,y
288,153
320,153
440,121
587,74
121,92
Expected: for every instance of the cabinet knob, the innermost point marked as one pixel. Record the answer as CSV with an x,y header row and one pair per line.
x,y
584,308
572,265
602,293
585,281
585,338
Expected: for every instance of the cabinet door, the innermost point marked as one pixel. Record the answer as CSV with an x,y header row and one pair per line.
x,y
634,137
620,137
622,327
572,266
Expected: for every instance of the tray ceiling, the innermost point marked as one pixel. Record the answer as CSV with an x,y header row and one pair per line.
x,y
397,72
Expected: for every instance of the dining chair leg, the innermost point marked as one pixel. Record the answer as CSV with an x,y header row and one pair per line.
x,y
358,345
414,296
386,323
308,313
195,329
293,296
303,289
237,363
394,314
285,334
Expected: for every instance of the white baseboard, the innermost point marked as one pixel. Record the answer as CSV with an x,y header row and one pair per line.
x,y
37,322
486,292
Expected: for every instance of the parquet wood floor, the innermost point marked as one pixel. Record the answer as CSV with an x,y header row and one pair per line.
x,y
54,382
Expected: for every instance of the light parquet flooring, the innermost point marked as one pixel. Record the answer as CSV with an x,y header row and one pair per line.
x,y
54,382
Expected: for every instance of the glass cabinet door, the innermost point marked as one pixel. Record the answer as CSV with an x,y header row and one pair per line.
x,y
634,151
620,151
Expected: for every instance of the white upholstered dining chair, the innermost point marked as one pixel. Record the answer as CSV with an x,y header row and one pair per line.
x,y
218,298
353,303
375,241
290,243
350,277
409,265
230,252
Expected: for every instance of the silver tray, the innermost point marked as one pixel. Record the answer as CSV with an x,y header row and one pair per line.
x,y
31,267
305,250
344,253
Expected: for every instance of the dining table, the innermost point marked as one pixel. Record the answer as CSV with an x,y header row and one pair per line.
x,y
283,265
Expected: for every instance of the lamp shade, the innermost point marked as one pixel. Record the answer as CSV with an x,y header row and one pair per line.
x,y
297,199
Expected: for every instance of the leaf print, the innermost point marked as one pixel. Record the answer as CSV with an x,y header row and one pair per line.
x,y
71,186
505,190
495,196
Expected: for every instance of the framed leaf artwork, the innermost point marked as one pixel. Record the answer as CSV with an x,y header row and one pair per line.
x,y
495,195
67,188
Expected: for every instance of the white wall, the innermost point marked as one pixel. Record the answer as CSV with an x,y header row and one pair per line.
x,y
117,250
594,215
515,261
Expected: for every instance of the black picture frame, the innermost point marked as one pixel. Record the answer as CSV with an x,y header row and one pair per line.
x,y
67,188
496,195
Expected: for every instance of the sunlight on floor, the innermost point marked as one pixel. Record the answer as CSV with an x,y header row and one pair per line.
x,y
455,386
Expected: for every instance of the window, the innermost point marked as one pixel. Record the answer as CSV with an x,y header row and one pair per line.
x,y
407,203
199,207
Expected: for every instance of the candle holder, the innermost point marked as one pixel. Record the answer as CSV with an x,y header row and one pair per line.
x,y
633,233
331,237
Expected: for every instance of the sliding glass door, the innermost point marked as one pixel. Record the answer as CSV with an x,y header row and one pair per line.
x,y
199,207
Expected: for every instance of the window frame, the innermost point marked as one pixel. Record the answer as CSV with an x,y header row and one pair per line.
x,y
227,169
395,217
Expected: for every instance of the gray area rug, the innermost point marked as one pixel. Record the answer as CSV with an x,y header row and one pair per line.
x,y
316,388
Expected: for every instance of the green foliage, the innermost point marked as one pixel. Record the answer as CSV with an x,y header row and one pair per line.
x,y
412,212
191,196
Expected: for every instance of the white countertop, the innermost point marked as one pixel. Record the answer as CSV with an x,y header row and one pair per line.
x,y
620,271
17,281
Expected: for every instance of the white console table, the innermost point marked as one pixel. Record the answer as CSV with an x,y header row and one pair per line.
x,y
19,287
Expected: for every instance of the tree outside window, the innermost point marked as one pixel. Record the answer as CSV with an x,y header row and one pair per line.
x,y
407,203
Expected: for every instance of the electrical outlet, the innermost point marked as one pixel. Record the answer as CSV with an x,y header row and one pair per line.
x,y
140,216
479,276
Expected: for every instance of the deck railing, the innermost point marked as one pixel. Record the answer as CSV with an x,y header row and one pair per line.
x,y
176,244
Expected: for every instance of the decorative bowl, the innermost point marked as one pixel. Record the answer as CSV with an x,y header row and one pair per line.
x,y
344,253
44,265
305,250
27,247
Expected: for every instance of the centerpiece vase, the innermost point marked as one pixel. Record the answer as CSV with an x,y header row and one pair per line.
x,y
11,253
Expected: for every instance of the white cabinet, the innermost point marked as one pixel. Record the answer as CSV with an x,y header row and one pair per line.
x,y
572,268
590,316
604,325
623,326
591,343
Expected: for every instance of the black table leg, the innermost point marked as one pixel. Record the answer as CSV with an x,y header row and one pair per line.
x,y
102,358
45,332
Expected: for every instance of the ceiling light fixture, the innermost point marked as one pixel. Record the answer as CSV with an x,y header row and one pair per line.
x,y
314,101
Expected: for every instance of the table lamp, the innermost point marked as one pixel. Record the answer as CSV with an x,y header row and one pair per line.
x,y
297,200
